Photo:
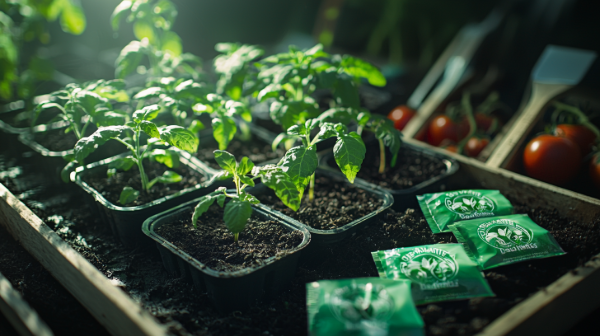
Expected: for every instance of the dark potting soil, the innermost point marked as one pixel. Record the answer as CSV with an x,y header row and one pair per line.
x,y
213,245
111,187
56,140
335,204
257,150
412,167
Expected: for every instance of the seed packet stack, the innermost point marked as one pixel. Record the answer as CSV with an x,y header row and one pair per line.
x,y
483,223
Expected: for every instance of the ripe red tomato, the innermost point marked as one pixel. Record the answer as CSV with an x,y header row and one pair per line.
x,y
595,170
401,115
552,159
581,135
442,128
475,145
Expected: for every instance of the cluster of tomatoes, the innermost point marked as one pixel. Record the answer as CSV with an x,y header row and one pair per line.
x,y
557,157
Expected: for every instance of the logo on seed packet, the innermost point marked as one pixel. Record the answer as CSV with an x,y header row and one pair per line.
x,y
432,268
506,235
469,204
362,305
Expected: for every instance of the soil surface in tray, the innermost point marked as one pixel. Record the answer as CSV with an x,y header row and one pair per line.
x,y
111,187
335,205
412,167
213,245
56,140
185,310
257,150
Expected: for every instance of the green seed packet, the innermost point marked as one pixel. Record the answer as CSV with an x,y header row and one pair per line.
x,y
503,240
445,208
439,272
362,306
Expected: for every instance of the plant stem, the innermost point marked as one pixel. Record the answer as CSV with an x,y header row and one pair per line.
x,y
583,119
381,156
311,188
235,237
139,159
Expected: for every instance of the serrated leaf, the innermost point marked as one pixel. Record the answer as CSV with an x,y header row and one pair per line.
x,y
128,195
180,137
224,130
87,145
150,128
89,101
299,163
223,175
337,115
151,92
236,215
122,164
245,197
329,130
118,13
291,113
225,160
270,91
349,152
245,166
287,191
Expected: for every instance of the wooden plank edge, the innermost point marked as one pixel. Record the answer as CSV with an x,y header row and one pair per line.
x,y
554,309
114,309
21,316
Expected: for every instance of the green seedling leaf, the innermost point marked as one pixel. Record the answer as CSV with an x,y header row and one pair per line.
x,y
89,101
123,163
329,130
326,79
247,180
144,29
206,201
129,59
279,139
299,163
110,172
167,177
72,19
337,115
290,113
236,215
224,130
391,137
87,145
245,166
356,67
150,128
151,92
223,175
349,152
180,137
171,43
270,91
128,195
226,161
245,197
274,178
147,113
167,157
196,126
119,13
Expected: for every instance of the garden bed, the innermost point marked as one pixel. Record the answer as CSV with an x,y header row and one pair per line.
x,y
186,309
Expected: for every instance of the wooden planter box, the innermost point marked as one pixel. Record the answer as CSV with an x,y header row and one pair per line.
x,y
551,311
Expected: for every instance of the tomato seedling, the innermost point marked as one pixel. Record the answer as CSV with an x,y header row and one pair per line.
x,y
233,65
300,162
239,209
176,136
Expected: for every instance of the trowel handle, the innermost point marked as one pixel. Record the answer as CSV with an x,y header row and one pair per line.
x,y
541,94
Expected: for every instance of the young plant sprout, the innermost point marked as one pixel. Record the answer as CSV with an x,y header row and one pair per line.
x,y
81,106
233,65
291,78
176,136
239,209
300,162
222,112
152,22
